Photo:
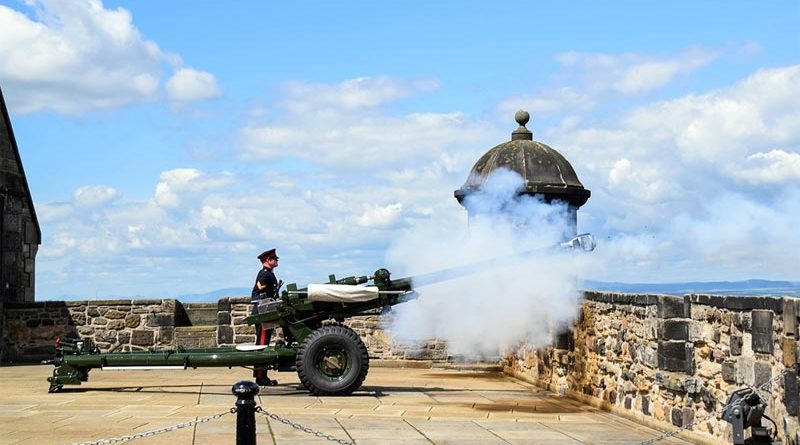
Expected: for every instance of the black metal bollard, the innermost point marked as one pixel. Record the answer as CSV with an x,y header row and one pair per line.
x,y
245,391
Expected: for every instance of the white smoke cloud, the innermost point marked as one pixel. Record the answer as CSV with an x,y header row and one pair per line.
x,y
494,307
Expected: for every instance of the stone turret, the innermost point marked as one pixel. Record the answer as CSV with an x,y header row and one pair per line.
x,y
544,171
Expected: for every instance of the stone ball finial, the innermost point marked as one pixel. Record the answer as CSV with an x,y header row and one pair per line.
x,y
522,133
522,117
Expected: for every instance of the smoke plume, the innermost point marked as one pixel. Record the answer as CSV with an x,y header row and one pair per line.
x,y
496,307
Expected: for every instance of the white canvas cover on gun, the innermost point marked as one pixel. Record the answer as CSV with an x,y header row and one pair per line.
x,y
341,293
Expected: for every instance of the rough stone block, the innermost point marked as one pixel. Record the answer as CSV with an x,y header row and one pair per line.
x,y
196,336
224,335
159,320
92,311
650,328
670,381
124,338
729,371
762,373
677,417
114,314
743,320
687,416
708,369
600,347
790,317
102,335
676,356
790,394
672,307
245,329
78,319
223,318
692,385
132,321
789,349
166,335
736,345
141,337
745,371
563,340
762,331
675,329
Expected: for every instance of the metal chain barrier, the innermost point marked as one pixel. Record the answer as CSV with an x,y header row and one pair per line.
x,y
761,388
300,427
168,429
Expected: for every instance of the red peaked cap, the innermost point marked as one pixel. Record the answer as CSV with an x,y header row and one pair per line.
x,y
267,254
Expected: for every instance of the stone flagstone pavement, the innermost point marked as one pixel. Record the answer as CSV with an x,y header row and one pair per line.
x,y
395,406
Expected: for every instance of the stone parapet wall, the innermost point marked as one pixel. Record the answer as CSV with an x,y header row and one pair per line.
x,y
673,361
30,329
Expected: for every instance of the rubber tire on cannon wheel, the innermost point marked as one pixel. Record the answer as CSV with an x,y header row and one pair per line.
x,y
332,361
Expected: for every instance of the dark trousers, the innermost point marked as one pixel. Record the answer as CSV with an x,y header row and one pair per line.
x,y
262,338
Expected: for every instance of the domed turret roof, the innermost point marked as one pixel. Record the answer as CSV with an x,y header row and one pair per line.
x,y
544,170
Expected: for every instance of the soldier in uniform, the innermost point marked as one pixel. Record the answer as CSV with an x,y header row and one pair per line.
x,y
266,287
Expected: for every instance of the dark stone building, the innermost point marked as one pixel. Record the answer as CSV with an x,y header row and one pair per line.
x,y
20,235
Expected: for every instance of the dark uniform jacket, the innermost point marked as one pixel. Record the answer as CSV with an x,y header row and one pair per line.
x,y
267,278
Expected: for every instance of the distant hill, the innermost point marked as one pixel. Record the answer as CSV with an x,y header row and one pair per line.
x,y
746,287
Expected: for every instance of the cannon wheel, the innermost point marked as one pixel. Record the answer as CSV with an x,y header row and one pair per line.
x,y
332,361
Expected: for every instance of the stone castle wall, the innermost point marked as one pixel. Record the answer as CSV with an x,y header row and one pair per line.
x,y
673,361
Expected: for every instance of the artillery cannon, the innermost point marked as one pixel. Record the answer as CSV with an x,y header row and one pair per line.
x,y
329,357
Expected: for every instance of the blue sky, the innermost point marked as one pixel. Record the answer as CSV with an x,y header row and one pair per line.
x,y
167,143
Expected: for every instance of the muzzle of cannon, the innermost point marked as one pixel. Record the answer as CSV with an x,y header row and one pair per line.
x,y
329,357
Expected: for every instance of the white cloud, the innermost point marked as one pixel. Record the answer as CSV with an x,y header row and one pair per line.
x,y
633,73
182,183
76,56
380,216
52,212
189,85
334,126
198,217
548,102
353,94
772,167
95,195
699,174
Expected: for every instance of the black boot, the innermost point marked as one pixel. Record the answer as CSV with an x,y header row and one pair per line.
x,y
266,381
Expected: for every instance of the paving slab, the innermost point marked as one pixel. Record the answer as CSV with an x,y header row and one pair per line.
x,y
395,406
